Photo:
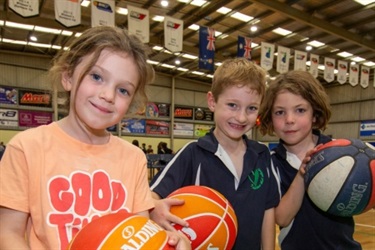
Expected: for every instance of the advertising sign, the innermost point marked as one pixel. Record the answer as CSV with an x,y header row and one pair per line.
x,y
130,125
34,98
9,117
34,118
157,127
8,95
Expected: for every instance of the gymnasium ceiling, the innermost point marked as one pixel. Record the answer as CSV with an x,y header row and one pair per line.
x,y
342,25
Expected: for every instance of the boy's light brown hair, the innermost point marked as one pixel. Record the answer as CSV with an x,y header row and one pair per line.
x,y
300,83
238,72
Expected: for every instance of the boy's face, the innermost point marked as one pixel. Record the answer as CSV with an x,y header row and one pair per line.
x,y
106,92
236,111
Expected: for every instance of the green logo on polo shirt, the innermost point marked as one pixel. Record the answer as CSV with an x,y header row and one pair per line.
x,y
256,178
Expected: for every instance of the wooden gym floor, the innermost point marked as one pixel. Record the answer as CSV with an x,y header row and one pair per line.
x,y
364,230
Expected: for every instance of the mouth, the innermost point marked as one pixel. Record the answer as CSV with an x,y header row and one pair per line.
x,y
101,108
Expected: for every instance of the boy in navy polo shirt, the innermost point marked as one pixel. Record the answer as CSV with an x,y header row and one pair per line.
x,y
295,108
226,160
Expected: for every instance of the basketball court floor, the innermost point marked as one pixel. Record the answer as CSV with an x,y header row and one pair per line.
x,y
364,230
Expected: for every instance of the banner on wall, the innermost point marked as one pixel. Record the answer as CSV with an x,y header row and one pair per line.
x,y
9,117
8,95
157,127
103,13
266,59
139,23
34,98
283,55
203,114
130,126
25,8
173,33
300,58
183,113
68,13
206,48
183,129
201,129
28,118
314,64
329,69
342,70
365,76
353,74
367,128
244,47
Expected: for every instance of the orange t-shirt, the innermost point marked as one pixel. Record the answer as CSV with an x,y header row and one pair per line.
x,y
64,183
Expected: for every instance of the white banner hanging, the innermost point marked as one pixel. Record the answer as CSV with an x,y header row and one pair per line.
x,y
103,13
342,71
365,76
314,64
173,32
68,13
300,58
353,74
266,60
329,69
283,55
139,23
25,8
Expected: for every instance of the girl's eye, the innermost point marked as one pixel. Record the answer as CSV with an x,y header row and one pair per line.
x,y
279,112
301,110
123,91
96,77
253,108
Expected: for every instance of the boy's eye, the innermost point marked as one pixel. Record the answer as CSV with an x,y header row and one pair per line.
x,y
301,110
232,105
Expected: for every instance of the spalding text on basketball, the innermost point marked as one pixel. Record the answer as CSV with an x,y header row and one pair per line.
x,y
355,199
136,240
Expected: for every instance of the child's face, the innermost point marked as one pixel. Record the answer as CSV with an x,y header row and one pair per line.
x,y
106,91
236,111
292,118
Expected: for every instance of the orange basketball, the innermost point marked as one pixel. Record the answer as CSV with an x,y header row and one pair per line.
x,y
211,218
121,231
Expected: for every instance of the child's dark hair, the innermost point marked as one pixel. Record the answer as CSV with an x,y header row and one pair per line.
x,y
92,42
300,83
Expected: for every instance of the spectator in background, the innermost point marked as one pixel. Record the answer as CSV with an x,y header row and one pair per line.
x,y
144,148
2,149
150,150
165,148
135,143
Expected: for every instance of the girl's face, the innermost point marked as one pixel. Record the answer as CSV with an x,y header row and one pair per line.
x,y
236,111
104,96
292,118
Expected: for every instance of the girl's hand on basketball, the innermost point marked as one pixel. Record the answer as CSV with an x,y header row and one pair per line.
x,y
161,213
179,240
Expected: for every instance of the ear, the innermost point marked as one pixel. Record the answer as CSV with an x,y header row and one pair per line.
x,y
211,101
66,81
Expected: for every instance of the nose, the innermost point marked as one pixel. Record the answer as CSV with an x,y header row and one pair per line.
x,y
241,116
107,93
289,118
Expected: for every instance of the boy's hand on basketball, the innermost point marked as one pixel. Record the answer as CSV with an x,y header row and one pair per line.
x,y
178,240
161,213
302,169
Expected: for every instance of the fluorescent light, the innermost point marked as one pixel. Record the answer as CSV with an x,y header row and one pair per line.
x,y
158,18
365,2
210,76
183,1
197,73
85,3
4,40
66,33
152,62
194,27
182,69
47,30
40,45
19,25
358,59
158,48
198,3
121,11
188,56
316,44
369,64
167,66
2,23
224,10
344,54
282,31
242,17
218,64
308,48
56,47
